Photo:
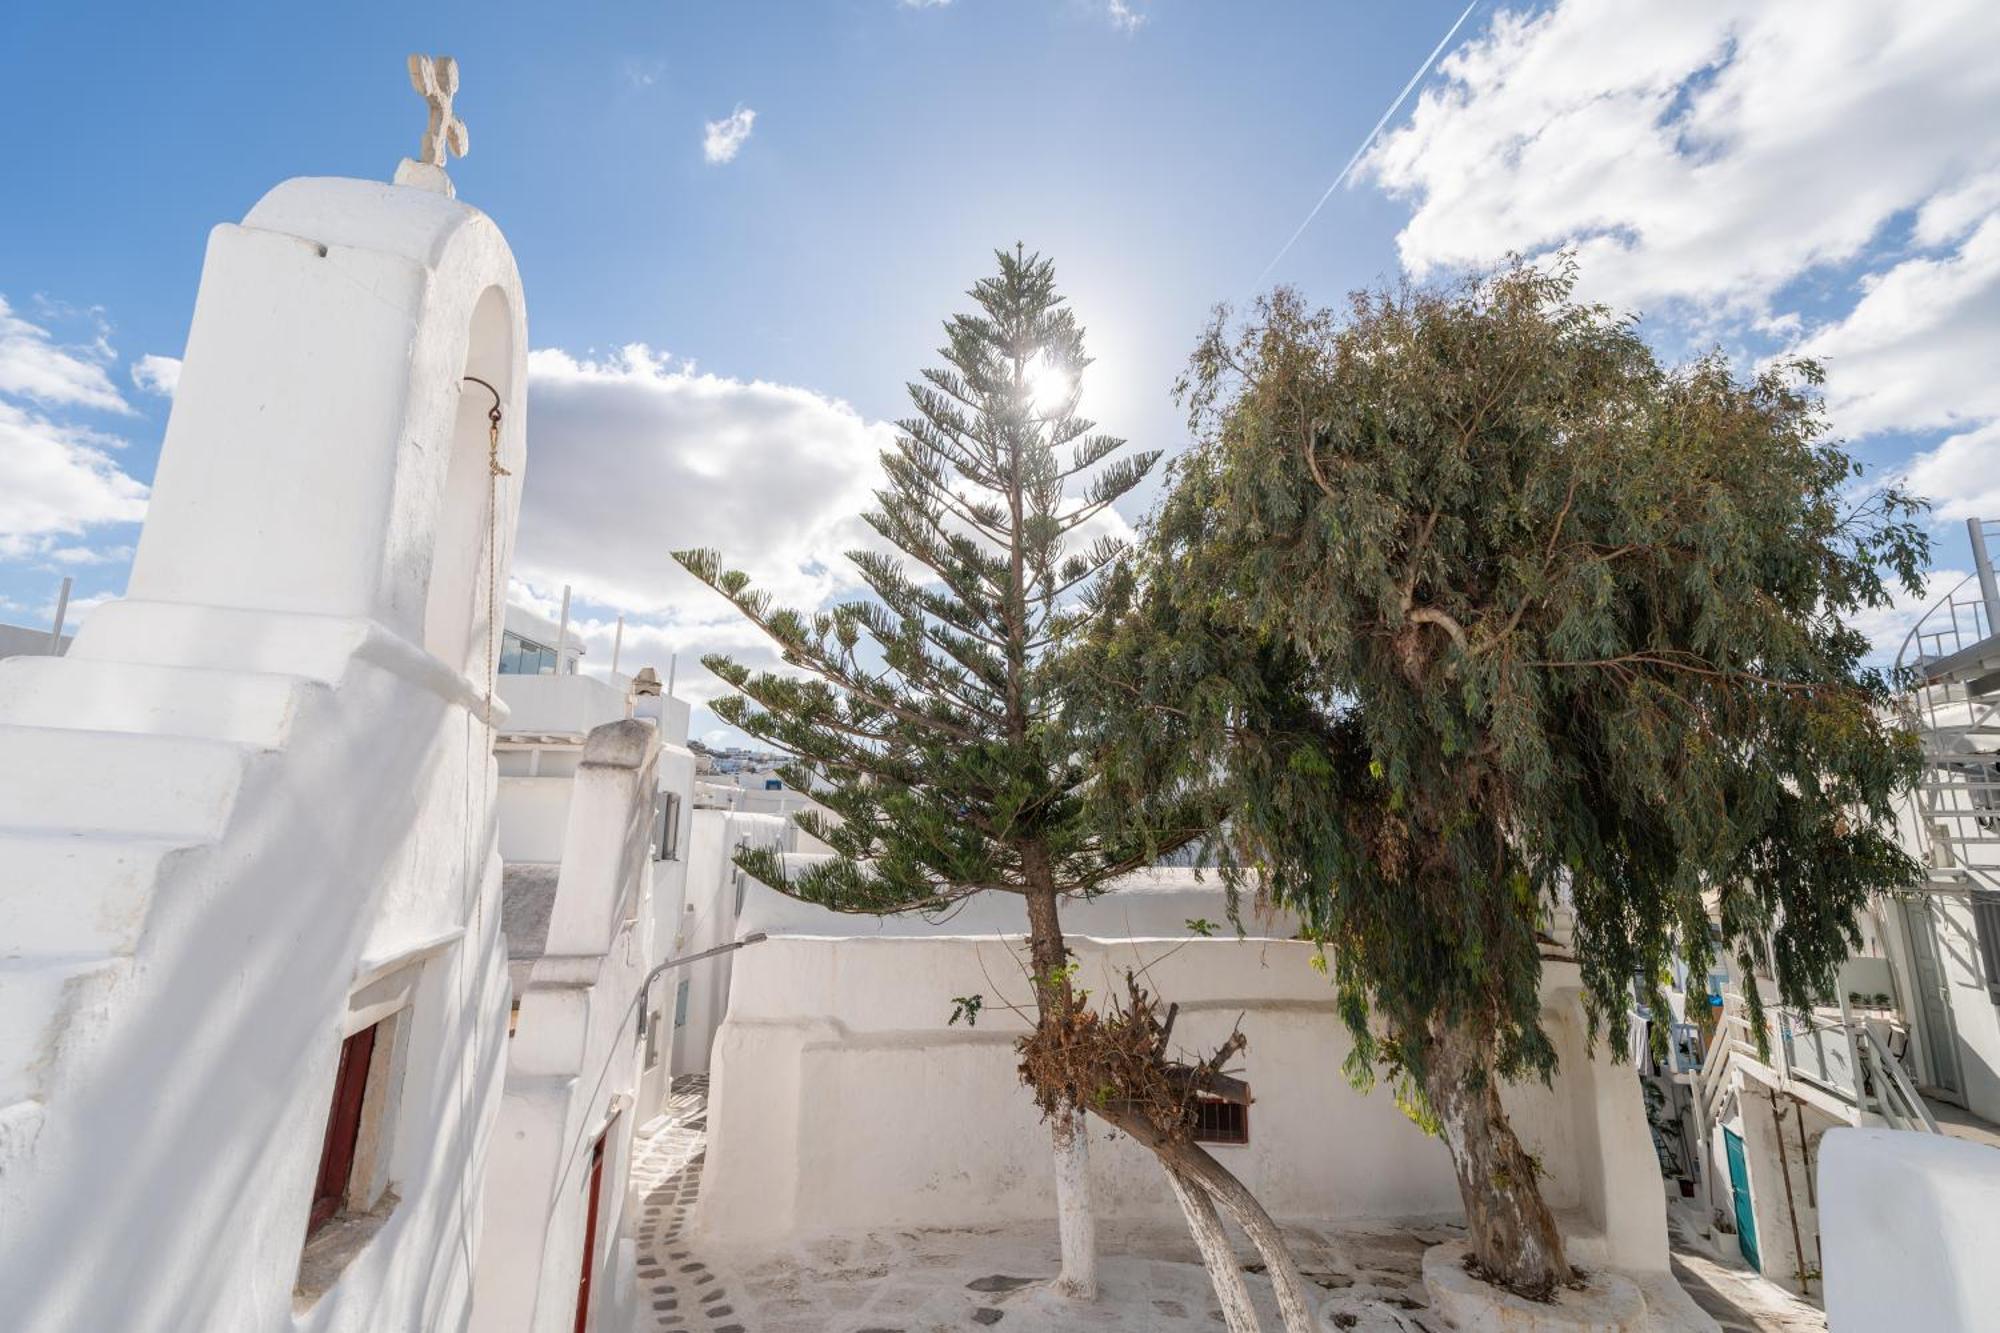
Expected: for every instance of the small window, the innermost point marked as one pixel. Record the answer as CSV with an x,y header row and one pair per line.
x,y
343,1128
681,1004
667,833
1219,1121
1986,923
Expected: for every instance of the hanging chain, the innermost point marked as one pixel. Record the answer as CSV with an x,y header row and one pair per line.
x,y
493,474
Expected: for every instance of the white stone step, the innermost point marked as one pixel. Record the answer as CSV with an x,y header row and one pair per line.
x,y
38,998
59,779
251,707
67,893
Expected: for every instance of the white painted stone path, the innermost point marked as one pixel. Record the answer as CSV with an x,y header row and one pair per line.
x,y
1366,1278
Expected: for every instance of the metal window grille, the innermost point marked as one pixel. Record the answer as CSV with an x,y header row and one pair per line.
x,y
1218,1121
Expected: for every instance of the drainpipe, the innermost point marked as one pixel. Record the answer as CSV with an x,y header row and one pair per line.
x,y
617,642
1982,563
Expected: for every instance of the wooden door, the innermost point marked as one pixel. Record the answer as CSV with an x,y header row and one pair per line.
x,y
590,1234
343,1128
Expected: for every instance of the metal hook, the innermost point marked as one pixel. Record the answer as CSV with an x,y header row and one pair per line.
x,y
493,415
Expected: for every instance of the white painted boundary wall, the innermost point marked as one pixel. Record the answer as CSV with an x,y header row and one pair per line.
x,y
1909,1226
843,1100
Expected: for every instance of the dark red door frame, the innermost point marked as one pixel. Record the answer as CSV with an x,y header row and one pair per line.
x,y
590,1233
343,1128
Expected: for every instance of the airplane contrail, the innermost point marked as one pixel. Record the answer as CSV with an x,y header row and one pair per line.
x,y
1394,107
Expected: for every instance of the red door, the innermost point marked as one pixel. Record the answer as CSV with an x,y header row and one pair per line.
x,y
343,1128
590,1235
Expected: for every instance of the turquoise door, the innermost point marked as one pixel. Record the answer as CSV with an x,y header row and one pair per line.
x,y
1739,1190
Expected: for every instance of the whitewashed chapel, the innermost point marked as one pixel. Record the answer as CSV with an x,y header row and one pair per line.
x,y
365,963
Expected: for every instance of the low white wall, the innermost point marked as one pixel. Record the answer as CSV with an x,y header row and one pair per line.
x,y
842,1098
533,814
559,705
1909,1228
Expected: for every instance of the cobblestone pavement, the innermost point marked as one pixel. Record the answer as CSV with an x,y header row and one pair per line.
x,y
1364,1278
1737,1298
676,1289
927,1281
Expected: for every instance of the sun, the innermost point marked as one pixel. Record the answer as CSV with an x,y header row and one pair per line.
x,y
1050,385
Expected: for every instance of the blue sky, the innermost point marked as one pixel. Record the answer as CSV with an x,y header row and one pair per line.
x,y
722,341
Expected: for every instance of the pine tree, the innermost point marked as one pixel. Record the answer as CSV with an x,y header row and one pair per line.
x,y
1487,614
934,721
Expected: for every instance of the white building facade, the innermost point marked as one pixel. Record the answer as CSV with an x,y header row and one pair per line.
x,y
252,1001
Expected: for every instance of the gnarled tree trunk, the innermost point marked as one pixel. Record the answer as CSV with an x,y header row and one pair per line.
x,y
1189,1162
1514,1237
1200,1182
1217,1255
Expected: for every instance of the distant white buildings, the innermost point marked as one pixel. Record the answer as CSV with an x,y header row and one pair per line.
x,y
595,787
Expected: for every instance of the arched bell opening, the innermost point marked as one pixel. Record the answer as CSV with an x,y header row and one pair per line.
x,y
456,626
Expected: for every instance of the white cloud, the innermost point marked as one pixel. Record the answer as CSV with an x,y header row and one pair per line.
x,y
1962,475
57,479
634,456
1921,349
157,374
34,366
1123,17
721,140
1706,153
923,4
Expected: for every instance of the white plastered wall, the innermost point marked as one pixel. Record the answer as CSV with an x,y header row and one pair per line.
x,y
843,1098
1908,1229
572,1065
259,783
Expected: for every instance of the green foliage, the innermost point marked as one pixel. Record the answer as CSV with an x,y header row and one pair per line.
x,y
931,718
966,1007
1200,925
1483,610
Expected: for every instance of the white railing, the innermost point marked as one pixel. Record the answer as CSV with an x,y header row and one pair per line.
x,y
1956,804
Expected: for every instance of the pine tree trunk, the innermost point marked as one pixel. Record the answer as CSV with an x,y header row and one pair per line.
x,y
1188,1162
1514,1237
1238,1316
1075,1223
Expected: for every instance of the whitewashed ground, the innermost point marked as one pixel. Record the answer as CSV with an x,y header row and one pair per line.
x,y
1365,1278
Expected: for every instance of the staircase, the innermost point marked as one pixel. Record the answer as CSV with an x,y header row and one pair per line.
x,y
1950,666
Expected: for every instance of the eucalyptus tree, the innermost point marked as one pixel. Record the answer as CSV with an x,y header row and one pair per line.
x,y
1488,615
934,719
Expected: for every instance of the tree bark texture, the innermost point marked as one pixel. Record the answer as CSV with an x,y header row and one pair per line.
x,y
1217,1255
1076,1225
1189,1162
1514,1236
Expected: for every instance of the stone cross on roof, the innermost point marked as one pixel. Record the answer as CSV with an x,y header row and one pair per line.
x,y
436,79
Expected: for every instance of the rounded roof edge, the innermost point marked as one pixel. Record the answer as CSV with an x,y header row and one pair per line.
x,y
367,215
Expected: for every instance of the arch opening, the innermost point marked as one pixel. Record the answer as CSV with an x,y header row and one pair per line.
x,y
455,613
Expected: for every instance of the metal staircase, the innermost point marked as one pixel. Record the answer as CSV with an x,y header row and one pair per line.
x,y
1950,663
